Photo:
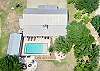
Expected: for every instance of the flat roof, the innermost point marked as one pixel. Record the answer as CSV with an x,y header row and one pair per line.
x,y
14,44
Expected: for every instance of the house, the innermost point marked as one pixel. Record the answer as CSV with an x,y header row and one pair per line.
x,y
39,26
44,21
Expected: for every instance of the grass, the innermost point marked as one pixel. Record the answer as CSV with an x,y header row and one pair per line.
x,y
18,10
3,43
0,27
4,35
57,63
3,16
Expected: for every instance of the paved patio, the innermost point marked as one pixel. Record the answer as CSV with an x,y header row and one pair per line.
x,y
51,66
45,57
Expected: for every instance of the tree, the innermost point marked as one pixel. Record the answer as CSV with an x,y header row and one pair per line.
x,y
82,16
69,1
79,36
96,23
62,45
10,63
88,5
18,5
92,65
51,49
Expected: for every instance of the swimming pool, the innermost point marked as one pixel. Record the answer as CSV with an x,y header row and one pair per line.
x,y
35,48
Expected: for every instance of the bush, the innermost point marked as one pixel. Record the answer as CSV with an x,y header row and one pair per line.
x,y
82,16
88,5
19,5
51,49
10,63
61,44
69,1
92,63
96,23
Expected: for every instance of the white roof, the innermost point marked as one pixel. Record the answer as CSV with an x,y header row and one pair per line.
x,y
14,44
42,19
53,30
34,19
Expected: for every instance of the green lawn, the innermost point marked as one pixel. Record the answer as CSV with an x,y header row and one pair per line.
x,y
3,16
60,63
18,10
3,43
4,35
0,27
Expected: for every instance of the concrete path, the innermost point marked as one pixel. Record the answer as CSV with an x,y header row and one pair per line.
x,y
98,10
93,33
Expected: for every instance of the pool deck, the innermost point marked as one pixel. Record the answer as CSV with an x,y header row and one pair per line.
x,y
40,57
45,57
37,40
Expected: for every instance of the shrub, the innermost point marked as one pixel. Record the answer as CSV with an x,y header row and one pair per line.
x,y
88,5
96,23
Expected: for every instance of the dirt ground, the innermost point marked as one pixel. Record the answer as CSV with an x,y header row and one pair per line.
x,y
3,5
12,22
50,66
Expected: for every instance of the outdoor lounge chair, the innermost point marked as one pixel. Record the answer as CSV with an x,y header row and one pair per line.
x,y
31,38
44,37
48,37
34,38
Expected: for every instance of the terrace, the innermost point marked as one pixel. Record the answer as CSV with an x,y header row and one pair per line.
x,y
33,45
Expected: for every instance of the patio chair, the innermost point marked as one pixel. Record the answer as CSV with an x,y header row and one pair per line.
x,y
48,37
31,38
28,38
44,37
34,38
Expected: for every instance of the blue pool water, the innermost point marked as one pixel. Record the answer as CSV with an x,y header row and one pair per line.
x,y
35,48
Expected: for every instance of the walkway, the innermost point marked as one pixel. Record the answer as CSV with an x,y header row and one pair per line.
x,y
93,33
98,11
